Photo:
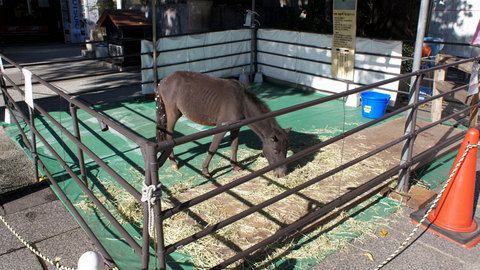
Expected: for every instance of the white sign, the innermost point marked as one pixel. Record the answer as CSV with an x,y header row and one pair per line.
x,y
28,87
8,119
1,64
473,84
343,41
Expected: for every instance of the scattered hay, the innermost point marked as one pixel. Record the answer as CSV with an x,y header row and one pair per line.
x,y
226,242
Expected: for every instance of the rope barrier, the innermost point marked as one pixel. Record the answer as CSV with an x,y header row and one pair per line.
x,y
55,262
407,240
149,197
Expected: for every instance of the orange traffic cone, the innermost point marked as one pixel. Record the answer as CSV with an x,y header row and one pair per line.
x,y
452,218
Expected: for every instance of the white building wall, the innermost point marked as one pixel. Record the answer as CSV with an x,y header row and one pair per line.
x,y
455,21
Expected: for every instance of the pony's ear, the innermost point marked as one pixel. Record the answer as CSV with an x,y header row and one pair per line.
x,y
287,130
274,138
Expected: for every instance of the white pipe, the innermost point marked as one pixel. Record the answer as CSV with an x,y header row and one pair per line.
x,y
421,26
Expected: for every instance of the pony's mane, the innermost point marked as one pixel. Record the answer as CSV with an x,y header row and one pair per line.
x,y
262,106
260,103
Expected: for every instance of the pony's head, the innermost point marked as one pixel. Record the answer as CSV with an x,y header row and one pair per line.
x,y
275,149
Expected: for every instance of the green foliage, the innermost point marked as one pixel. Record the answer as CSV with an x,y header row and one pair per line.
x,y
103,5
407,51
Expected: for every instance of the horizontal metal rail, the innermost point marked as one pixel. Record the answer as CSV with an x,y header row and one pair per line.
x,y
315,180
212,228
204,45
202,134
84,188
90,153
130,240
323,76
253,209
106,213
301,154
58,190
268,202
211,71
199,60
323,47
121,129
313,61
328,208
77,60
77,180
315,215
151,170
62,79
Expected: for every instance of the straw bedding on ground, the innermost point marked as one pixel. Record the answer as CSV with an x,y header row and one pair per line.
x,y
226,242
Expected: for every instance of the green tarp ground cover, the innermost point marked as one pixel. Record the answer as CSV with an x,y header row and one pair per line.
x,y
125,157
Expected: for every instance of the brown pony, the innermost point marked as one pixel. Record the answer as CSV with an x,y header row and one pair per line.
x,y
213,101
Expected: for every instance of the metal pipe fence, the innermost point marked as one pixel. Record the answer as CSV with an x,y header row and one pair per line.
x,y
31,143
152,163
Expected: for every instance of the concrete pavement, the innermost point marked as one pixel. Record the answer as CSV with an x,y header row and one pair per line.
x,y
32,208
424,251
40,218
37,215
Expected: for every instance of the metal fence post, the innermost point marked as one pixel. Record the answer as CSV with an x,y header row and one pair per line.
x,y
154,43
31,113
151,178
410,123
81,159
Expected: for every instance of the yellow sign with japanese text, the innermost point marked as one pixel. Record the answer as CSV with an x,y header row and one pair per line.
x,y
343,42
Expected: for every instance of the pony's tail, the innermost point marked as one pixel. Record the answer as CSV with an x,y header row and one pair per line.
x,y
161,117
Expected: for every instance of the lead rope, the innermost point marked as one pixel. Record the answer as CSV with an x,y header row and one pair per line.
x,y
149,197
55,262
402,246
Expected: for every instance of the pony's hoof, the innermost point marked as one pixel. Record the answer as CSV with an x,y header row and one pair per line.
x,y
175,167
206,174
237,169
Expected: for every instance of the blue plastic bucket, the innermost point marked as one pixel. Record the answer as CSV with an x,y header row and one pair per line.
x,y
374,104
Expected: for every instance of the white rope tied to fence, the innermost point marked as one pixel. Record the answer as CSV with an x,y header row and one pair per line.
x,y
434,203
149,197
55,262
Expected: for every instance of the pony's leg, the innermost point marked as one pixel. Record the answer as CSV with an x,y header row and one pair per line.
x,y
173,115
234,147
211,151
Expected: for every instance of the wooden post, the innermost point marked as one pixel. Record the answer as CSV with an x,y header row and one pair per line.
x,y
472,121
439,75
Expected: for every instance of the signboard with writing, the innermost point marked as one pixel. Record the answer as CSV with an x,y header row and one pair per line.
x,y
74,25
343,42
